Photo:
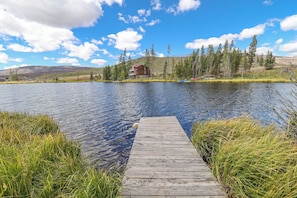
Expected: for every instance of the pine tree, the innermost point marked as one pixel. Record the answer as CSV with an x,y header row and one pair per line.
x,y
166,65
203,66
210,59
165,69
153,54
269,61
252,52
147,59
226,60
261,61
218,60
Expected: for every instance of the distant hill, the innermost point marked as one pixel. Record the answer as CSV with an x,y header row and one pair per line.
x,y
286,61
42,70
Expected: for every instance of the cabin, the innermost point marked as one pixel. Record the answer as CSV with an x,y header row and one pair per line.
x,y
139,71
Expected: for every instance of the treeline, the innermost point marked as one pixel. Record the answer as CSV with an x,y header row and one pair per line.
x,y
226,61
119,71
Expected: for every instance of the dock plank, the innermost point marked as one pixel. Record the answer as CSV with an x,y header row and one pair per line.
x,y
164,163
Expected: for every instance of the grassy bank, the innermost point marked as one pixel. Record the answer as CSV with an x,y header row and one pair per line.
x,y
36,160
249,160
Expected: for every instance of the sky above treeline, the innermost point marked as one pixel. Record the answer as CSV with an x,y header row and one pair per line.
x,y
96,32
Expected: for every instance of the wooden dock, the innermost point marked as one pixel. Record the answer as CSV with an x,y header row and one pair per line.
x,y
164,163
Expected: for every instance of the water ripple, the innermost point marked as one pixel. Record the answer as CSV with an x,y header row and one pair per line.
x,y
100,115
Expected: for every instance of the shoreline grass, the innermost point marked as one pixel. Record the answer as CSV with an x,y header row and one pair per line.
x,y
36,160
249,160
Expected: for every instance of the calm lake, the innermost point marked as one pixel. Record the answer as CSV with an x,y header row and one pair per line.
x,y
100,115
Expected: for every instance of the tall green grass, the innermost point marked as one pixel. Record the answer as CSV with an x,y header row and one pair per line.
x,y
248,159
36,160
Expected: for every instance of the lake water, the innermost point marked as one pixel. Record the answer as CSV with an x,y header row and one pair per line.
x,y
100,115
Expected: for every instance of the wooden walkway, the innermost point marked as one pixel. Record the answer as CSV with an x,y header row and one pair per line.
x,y
164,163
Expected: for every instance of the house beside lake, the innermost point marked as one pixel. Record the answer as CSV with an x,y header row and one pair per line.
x,y
139,71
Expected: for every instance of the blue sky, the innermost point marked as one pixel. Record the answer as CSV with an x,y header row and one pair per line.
x,y
95,32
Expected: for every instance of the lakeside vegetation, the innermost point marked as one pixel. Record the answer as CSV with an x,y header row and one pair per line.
x,y
249,160
36,160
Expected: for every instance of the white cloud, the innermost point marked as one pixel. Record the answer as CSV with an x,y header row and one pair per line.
x,y
186,5
141,29
156,4
250,32
136,19
121,18
1,48
263,50
96,42
215,41
3,57
69,14
16,66
99,62
84,51
289,23
143,12
44,25
67,60
127,39
267,2
110,2
39,37
160,54
18,60
153,22
290,48
48,59
19,48
279,41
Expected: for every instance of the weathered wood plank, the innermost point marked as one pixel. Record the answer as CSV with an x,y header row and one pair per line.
x,y
164,163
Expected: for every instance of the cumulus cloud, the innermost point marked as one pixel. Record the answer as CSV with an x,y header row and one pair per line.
x,y
69,14
215,41
156,4
279,41
267,2
143,12
153,22
67,60
289,23
96,42
250,32
18,60
127,39
1,47
3,57
99,62
44,25
290,48
83,51
141,29
39,37
186,5
263,50
141,17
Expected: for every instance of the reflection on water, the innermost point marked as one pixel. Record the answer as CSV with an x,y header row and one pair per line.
x,y
100,115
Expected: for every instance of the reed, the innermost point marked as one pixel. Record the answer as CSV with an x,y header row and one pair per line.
x,y
249,160
36,160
